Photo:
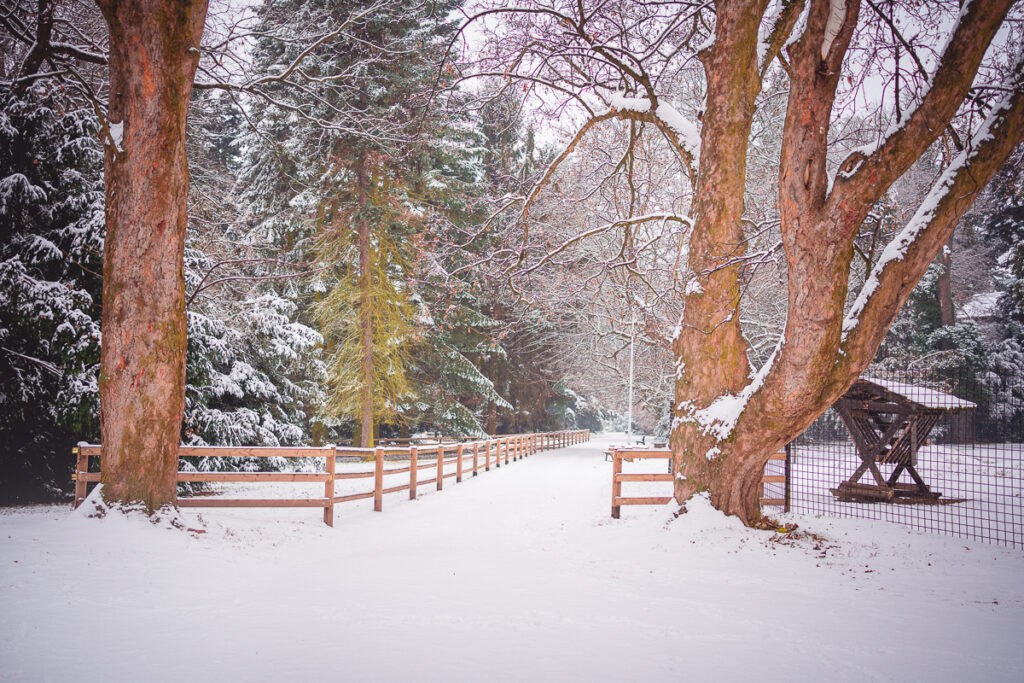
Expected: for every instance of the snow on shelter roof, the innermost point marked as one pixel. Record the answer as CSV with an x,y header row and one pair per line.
x,y
929,398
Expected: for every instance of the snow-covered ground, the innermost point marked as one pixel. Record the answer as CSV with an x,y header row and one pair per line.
x,y
518,574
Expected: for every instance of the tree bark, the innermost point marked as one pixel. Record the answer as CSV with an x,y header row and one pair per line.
x,y
710,345
153,58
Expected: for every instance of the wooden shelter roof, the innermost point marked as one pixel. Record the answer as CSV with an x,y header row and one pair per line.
x,y
922,398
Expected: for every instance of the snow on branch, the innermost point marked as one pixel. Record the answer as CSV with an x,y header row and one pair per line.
x,y
686,133
943,191
877,165
776,28
836,17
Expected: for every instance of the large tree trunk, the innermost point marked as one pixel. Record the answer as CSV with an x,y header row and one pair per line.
x,y
153,58
710,344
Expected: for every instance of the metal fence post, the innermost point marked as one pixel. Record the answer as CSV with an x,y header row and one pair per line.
x,y
789,456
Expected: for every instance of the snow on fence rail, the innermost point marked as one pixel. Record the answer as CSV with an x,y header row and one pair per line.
x,y
508,448
630,454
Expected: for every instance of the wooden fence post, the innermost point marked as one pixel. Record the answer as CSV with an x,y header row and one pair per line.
x,y
378,480
440,466
487,455
476,454
616,484
508,444
81,469
329,467
458,464
413,467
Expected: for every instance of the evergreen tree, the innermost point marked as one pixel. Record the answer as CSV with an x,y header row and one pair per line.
x,y
253,368
368,188
458,338
1004,222
51,245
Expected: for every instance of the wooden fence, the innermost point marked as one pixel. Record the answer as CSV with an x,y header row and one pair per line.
x,y
467,458
618,477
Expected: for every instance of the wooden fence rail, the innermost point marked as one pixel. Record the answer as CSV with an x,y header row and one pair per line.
x,y
472,457
618,477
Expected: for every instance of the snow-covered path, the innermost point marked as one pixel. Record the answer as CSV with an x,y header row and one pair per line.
x,y
515,575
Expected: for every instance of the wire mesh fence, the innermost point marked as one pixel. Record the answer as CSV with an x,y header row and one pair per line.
x,y
961,435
